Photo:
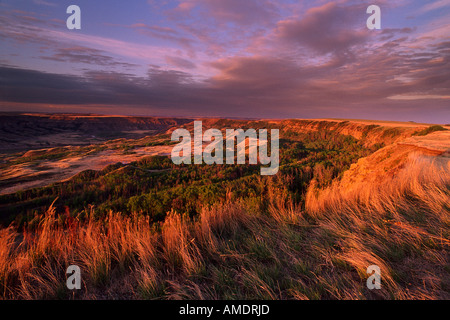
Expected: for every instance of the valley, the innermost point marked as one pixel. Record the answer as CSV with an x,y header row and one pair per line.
x,y
348,194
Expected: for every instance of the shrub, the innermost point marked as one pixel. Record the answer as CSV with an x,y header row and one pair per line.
x,y
430,129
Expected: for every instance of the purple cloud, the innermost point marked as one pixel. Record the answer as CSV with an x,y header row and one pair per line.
x,y
328,28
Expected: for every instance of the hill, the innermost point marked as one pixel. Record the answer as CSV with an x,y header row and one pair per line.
x,y
348,195
19,132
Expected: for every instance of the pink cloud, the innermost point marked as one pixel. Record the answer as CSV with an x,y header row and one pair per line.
x,y
224,11
328,28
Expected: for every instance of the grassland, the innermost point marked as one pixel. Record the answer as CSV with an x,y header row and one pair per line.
x,y
346,197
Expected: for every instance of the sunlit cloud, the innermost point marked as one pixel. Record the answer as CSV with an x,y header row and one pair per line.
x,y
435,5
418,97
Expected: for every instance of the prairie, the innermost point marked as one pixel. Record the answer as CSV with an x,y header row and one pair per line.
x,y
348,195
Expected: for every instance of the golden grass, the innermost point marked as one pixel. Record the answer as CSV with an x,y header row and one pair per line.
x,y
231,252
405,217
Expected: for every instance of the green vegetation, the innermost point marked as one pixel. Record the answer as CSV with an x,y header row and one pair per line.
x,y
153,185
154,230
230,251
430,129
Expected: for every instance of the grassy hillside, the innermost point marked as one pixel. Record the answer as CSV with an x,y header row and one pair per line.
x,y
153,185
224,232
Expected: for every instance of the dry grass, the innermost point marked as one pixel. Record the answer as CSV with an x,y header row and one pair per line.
x,y
228,252
401,224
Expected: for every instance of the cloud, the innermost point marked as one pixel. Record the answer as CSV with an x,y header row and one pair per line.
x,y
45,3
80,54
180,62
239,58
29,86
28,28
218,25
164,33
242,13
417,97
325,29
390,82
434,6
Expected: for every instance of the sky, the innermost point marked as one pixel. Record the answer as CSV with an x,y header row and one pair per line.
x,y
228,58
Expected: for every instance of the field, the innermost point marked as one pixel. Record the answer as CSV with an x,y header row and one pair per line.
x,y
349,194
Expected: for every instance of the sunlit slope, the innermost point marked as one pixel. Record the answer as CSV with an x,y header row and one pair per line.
x,y
414,156
390,209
